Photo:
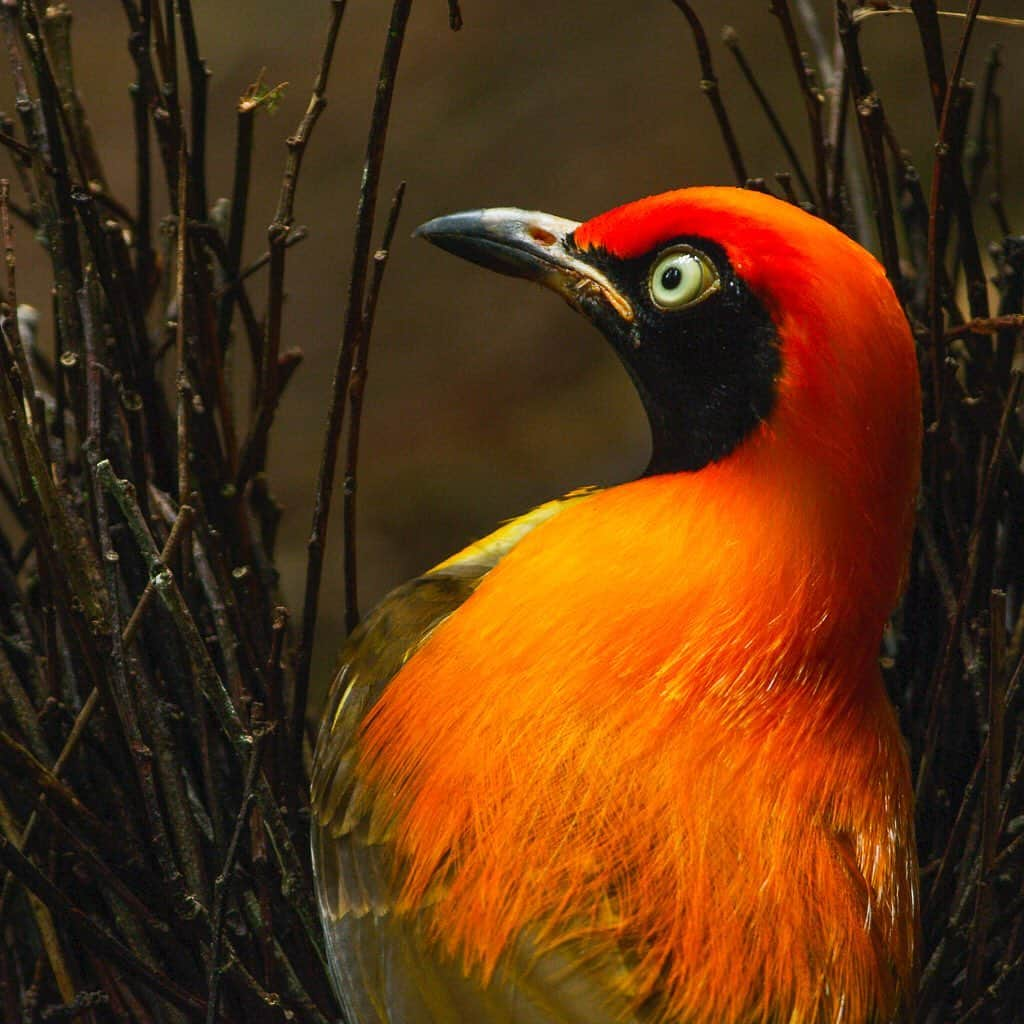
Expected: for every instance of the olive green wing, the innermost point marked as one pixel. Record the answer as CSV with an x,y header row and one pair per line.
x,y
386,639
385,968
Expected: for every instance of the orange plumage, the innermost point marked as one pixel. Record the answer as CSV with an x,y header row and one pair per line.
x,y
656,732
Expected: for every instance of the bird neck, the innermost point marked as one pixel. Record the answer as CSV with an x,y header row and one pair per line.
x,y
776,562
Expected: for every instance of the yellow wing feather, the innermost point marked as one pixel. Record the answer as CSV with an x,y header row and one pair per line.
x,y
386,968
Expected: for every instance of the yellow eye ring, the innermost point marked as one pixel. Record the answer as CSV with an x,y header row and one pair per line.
x,y
681,277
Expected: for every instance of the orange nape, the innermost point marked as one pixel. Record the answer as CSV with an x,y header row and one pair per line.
x,y
658,725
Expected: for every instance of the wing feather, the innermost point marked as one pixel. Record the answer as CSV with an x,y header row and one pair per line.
x,y
386,968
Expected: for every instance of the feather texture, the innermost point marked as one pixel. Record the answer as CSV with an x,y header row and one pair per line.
x,y
644,744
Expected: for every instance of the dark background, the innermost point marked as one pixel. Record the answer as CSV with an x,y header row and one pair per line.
x,y
486,396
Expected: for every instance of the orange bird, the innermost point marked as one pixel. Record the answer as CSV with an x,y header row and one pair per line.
x,y
630,758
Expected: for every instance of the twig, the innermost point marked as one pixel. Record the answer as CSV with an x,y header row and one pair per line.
x,y
266,373
22,709
92,932
278,770
20,762
732,43
927,21
45,927
89,857
846,185
56,24
871,122
229,636
142,238
986,325
27,153
83,1001
954,847
239,205
982,146
785,181
947,162
10,323
254,333
198,78
356,388
254,450
146,791
990,804
812,99
56,533
709,86
179,530
51,94
219,700
863,13
997,145
940,677
160,99
30,215
296,235
126,699
221,885
317,543
181,261
166,38
68,255
981,1010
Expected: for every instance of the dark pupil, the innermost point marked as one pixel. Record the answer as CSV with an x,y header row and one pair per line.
x,y
670,277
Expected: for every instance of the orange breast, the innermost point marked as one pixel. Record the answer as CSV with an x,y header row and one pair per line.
x,y
659,725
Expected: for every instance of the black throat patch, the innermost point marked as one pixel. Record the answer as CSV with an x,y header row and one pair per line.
x,y
706,374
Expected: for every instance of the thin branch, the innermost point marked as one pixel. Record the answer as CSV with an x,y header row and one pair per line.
x,y
198,78
947,162
92,932
296,235
221,886
986,325
126,699
254,332
732,43
709,86
864,13
871,123
266,375
990,804
275,695
9,311
317,543
181,265
246,111
981,148
356,388
56,24
45,927
812,98
179,530
19,762
219,700
143,235
944,667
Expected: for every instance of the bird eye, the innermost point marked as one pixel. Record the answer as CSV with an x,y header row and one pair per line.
x,y
682,277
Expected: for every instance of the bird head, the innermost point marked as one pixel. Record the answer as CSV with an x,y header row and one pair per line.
x,y
759,337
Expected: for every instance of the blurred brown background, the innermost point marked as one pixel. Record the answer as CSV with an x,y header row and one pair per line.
x,y
486,396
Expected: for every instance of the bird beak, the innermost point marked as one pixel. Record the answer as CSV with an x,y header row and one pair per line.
x,y
534,246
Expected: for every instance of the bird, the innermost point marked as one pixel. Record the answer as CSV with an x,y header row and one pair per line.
x,y
630,759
